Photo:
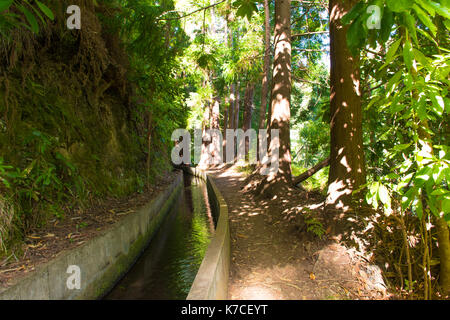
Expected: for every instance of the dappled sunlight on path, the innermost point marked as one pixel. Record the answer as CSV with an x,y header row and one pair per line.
x,y
272,255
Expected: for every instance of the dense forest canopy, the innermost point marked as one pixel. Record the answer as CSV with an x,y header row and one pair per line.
x,y
359,91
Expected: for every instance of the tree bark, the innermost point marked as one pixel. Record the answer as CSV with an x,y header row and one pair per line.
x,y
215,113
206,124
265,79
278,181
248,112
347,164
215,138
266,70
236,106
232,107
444,254
229,43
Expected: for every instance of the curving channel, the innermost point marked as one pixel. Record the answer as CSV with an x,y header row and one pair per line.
x,y
167,268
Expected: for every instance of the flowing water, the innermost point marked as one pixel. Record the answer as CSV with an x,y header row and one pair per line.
x,y
168,266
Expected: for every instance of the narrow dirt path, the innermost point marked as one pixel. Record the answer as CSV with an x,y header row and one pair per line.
x,y
274,257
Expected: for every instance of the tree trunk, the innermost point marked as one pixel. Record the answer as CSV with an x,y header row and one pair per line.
x,y
215,113
266,70
265,79
232,107
236,106
444,254
347,164
308,173
225,123
278,181
206,124
248,111
215,124
442,228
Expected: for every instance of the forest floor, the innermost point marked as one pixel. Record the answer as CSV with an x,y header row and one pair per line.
x,y
77,227
275,257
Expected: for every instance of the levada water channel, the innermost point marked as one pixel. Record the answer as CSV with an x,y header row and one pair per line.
x,y
167,268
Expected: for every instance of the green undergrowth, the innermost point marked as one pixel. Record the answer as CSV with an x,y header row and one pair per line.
x,y
83,116
246,169
317,182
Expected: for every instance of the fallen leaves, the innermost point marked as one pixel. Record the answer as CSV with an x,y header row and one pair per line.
x,y
22,267
125,212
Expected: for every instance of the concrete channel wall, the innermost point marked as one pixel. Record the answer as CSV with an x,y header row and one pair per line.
x,y
211,281
102,260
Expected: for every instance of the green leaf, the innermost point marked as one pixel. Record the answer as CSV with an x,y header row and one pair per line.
x,y
245,8
408,55
419,56
5,4
447,24
446,207
392,51
45,10
438,104
393,81
401,147
387,21
440,9
411,25
36,11
409,197
427,7
394,108
383,193
399,5
392,175
423,176
428,36
30,18
353,13
356,36
425,19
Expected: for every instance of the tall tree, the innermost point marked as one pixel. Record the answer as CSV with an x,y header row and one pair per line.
x,y
236,105
232,107
266,70
347,166
280,104
248,111
266,67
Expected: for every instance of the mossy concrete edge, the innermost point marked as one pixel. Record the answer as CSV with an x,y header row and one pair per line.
x,y
102,260
211,281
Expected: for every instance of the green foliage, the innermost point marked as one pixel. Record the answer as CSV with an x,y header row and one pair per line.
x,y
404,77
416,96
245,8
310,120
317,182
154,47
64,139
42,184
313,225
22,13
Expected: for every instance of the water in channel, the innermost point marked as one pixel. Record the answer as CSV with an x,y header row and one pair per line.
x,y
168,266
